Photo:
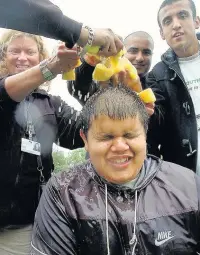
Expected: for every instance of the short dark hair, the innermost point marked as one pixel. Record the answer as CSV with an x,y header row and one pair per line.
x,y
169,2
118,102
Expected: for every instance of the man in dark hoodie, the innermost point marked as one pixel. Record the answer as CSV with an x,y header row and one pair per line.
x,y
176,83
42,17
121,201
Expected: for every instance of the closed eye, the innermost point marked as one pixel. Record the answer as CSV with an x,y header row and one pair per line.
x,y
106,138
130,136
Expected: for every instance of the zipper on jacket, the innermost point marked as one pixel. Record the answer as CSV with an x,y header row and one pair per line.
x,y
120,230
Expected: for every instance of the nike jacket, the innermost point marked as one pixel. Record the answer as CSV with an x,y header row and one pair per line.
x,y
79,213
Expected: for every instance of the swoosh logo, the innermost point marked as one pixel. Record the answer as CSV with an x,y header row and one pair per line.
x,y
159,243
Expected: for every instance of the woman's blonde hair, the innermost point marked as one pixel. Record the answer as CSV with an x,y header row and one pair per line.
x,y
6,39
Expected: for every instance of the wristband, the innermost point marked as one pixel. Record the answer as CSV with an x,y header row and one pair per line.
x,y
46,73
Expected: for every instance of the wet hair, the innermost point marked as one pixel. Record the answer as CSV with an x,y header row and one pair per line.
x,y
169,2
118,102
141,34
7,38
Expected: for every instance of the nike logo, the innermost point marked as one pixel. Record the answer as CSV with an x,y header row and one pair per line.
x,y
159,243
163,237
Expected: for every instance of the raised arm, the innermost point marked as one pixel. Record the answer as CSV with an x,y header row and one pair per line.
x,y
44,18
18,86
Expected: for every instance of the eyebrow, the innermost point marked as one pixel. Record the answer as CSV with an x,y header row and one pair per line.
x,y
169,16
19,47
135,48
184,11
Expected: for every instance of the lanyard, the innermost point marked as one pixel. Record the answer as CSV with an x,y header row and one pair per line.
x,y
30,131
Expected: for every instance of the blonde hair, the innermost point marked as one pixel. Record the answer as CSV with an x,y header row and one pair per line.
x,y
7,38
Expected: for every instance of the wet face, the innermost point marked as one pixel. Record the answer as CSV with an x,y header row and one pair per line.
x,y
117,148
139,53
178,28
22,53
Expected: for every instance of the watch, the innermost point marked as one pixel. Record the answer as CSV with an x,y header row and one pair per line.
x,y
47,74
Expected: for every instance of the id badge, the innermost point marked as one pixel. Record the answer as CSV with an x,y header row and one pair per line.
x,y
30,146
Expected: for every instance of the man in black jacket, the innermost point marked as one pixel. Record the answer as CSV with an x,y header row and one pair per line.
x,y
44,18
176,83
120,201
140,46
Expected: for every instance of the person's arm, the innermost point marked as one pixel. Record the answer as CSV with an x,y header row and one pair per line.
x,y
53,231
20,85
68,129
40,17
83,87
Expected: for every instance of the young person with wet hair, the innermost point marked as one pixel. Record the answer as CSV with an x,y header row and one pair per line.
x,y
121,201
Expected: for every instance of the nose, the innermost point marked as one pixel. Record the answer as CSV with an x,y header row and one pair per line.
x,y
119,145
22,56
139,57
176,24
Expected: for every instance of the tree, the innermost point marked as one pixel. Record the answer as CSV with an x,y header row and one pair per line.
x,y
62,162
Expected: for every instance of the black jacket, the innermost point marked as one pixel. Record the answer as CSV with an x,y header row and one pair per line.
x,y
175,127
39,17
53,120
81,214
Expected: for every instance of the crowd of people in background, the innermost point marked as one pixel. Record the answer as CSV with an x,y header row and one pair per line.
x,y
139,190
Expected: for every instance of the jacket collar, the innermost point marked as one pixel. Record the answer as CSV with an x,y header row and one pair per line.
x,y
40,92
170,58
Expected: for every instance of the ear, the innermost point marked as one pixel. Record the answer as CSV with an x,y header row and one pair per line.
x,y
161,34
197,22
84,139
